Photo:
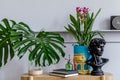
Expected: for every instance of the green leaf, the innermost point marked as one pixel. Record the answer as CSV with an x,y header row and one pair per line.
x,y
49,60
6,22
72,31
44,60
11,52
97,13
24,49
25,25
58,48
33,52
2,27
74,21
38,57
1,55
13,22
53,53
5,42
5,54
20,43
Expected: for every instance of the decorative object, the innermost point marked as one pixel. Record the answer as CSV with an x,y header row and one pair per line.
x,y
64,71
115,22
80,56
45,48
81,29
33,69
36,72
68,65
63,75
96,49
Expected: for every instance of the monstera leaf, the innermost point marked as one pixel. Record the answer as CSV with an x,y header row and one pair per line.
x,y
6,51
44,48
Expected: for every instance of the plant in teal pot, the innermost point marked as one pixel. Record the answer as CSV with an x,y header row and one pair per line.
x,y
81,29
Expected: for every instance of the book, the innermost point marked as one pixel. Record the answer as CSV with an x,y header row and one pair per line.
x,y
64,71
62,75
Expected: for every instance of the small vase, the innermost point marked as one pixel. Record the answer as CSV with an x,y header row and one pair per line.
x,y
69,66
81,55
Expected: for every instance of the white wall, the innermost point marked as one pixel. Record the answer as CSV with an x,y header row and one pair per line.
x,y
14,69
53,16
111,51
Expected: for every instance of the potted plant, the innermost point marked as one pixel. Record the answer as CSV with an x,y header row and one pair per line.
x,y
81,29
45,48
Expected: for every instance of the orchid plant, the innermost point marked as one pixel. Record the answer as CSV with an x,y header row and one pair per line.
x,y
81,26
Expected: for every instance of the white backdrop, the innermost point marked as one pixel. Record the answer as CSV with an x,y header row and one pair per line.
x,y
15,68
53,15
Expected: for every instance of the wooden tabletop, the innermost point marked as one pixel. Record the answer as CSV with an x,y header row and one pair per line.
x,y
106,76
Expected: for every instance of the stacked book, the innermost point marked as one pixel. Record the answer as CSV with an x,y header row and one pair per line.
x,y
63,73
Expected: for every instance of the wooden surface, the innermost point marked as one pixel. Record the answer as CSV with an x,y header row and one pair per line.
x,y
107,76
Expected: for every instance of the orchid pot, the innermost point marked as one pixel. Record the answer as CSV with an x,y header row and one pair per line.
x,y
81,55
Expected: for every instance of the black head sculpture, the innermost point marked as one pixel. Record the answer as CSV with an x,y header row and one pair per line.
x,y
96,46
96,49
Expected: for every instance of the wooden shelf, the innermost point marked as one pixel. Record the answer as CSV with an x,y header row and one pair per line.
x,y
107,76
108,31
103,31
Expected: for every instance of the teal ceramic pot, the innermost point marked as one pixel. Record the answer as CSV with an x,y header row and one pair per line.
x,y
81,55
82,50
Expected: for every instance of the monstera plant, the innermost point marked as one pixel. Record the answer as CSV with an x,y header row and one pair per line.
x,y
44,48
6,49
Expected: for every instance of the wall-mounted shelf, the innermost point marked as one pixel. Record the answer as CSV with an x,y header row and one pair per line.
x,y
111,36
107,31
103,31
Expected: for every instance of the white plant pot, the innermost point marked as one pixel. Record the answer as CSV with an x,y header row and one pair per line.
x,y
36,72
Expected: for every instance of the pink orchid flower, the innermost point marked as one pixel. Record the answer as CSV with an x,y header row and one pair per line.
x,y
85,10
78,9
82,15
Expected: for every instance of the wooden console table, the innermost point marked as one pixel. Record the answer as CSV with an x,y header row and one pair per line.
x,y
107,76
